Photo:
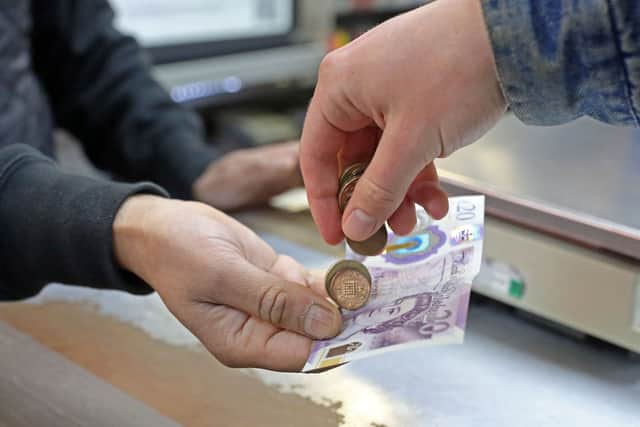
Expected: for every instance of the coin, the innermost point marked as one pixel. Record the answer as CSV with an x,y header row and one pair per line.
x,y
348,283
373,246
346,191
340,265
355,170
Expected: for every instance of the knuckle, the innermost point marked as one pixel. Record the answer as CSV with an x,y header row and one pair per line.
x,y
272,304
328,65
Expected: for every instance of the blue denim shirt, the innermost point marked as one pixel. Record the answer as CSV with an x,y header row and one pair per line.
x,y
561,59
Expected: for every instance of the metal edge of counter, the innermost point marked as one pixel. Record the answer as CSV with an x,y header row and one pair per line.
x,y
580,228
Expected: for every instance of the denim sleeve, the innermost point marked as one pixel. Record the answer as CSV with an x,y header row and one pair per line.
x,y
561,59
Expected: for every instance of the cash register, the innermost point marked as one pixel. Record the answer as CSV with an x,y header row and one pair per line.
x,y
212,52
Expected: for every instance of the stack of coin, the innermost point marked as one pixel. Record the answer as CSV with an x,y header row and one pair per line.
x,y
348,283
375,244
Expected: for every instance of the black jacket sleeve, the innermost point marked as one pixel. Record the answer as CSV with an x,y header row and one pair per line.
x,y
101,90
57,227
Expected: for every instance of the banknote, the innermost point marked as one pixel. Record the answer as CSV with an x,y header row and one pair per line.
x,y
421,285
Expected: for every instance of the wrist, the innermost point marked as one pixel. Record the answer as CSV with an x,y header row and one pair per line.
x,y
132,232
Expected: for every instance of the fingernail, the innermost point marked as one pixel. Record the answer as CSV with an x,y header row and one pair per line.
x,y
319,322
359,226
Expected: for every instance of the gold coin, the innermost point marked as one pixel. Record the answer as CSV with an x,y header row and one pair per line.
x,y
348,283
373,246
353,171
343,264
346,191
350,289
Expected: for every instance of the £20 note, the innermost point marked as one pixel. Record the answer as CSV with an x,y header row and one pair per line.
x,y
420,291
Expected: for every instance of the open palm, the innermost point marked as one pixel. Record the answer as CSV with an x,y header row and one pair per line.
x,y
249,306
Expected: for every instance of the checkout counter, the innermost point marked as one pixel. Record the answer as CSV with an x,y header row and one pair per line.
x,y
563,234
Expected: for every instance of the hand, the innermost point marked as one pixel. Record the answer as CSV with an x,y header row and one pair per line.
x,y
413,89
249,306
249,177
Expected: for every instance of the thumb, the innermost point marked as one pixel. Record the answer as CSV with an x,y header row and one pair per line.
x,y
284,304
399,158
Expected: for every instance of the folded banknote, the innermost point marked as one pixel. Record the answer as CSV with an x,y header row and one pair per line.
x,y
420,291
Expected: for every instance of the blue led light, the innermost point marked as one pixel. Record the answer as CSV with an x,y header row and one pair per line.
x,y
232,84
205,89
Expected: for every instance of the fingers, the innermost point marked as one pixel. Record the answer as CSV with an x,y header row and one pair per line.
x,y
285,146
286,351
403,220
283,303
292,150
268,348
280,165
319,148
240,341
359,147
315,280
245,340
281,172
426,191
291,270
401,155
432,197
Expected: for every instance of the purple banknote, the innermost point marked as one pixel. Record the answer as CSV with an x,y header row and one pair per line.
x,y
420,289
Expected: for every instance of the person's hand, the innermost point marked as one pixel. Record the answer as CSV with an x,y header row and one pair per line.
x,y
249,176
413,89
249,306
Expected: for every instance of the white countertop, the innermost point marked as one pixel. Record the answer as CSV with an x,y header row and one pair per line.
x,y
510,371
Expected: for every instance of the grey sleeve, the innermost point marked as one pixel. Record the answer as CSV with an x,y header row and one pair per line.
x,y
58,227
561,59
101,89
